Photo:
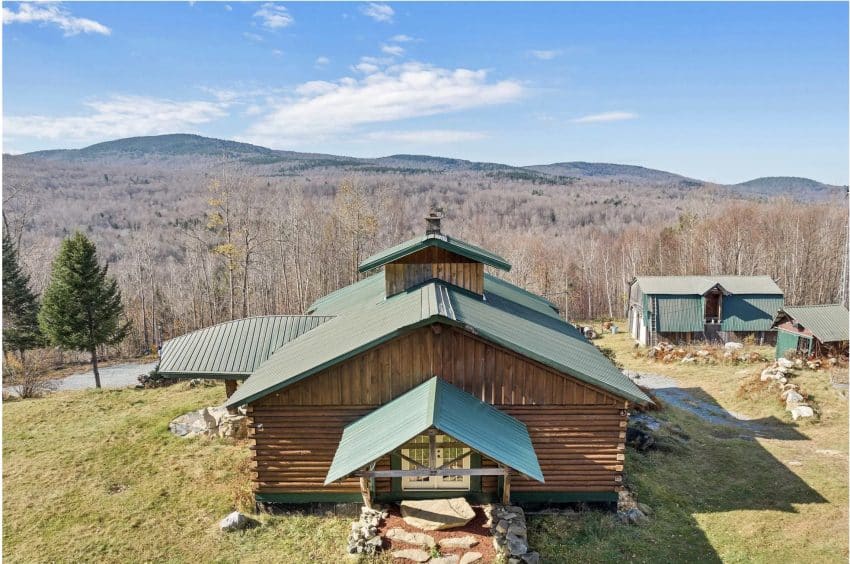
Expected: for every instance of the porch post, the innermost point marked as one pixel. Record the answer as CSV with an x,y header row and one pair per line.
x,y
506,488
366,492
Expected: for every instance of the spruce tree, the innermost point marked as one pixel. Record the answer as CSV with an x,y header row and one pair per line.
x,y
20,305
82,306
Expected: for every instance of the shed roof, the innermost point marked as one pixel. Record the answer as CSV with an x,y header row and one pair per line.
x,y
416,244
435,404
520,324
233,349
699,285
827,322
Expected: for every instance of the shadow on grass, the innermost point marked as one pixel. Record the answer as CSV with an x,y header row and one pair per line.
x,y
704,464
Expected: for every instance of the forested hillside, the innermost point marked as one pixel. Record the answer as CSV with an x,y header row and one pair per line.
x,y
200,230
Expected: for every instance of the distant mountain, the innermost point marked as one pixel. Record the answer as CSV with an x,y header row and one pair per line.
x,y
614,171
295,163
786,185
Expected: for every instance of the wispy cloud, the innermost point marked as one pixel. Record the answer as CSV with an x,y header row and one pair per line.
x,y
255,37
393,50
53,14
322,61
277,52
605,117
378,12
117,116
228,7
545,55
426,136
401,38
274,16
398,92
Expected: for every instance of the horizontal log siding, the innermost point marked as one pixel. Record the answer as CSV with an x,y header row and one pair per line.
x,y
578,431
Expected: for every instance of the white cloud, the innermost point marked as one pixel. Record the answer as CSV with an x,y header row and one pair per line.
x,y
255,37
398,92
544,55
606,117
322,61
393,50
378,12
402,38
274,16
277,52
117,116
426,136
53,14
228,7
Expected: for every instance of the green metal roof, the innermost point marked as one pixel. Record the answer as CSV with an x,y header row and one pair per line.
x,y
233,349
512,324
749,312
370,291
416,244
828,322
701,284
435,403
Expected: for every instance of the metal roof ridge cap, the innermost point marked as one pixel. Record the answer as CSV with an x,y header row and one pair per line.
x,y
431,408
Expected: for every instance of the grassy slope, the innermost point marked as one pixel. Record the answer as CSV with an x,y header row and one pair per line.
x,y
97,476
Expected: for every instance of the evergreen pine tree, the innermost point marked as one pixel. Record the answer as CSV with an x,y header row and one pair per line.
x,y
20,305
82,306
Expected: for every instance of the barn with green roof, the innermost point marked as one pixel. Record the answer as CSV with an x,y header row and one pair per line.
x,y
703,308
428,378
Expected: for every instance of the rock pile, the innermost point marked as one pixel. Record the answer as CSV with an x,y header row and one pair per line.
x,y
778,374
731,352
364,537
510,534
630,511
211,422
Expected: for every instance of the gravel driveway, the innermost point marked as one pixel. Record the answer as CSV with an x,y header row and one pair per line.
x,y
118,376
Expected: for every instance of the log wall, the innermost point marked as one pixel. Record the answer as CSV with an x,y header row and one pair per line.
x,y
578,431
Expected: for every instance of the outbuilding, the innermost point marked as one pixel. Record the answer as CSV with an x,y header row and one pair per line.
x,y
704,308
812,330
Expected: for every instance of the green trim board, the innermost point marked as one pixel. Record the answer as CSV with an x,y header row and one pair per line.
x,y
475,497
435,404
441,241
495,317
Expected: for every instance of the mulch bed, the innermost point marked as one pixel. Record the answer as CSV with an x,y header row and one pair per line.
x,y
478,528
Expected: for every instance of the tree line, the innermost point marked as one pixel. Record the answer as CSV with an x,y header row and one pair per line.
x,y
250,247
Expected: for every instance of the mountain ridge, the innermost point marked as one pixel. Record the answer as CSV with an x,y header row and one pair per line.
x,y
183,144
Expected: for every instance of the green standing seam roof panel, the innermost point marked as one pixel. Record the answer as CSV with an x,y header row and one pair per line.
x,y
233,348
496,318
435,403
699,285
416,244
679,314
828,322
749,312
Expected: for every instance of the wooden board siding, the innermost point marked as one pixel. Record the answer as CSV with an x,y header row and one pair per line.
x,y
468,275
578,431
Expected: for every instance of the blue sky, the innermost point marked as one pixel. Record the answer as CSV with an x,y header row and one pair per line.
x,y
723,92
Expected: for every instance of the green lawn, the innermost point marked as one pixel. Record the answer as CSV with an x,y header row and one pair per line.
x,y
95,475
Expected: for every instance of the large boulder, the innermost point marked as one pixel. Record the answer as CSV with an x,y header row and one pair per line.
x,y
236,522
437,514
802,411
731,346
792,399
784,362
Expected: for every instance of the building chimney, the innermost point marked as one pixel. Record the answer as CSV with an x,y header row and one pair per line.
x,y
432,222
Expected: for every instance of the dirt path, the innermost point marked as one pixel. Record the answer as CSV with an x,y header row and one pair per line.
x,y
671,392
118,376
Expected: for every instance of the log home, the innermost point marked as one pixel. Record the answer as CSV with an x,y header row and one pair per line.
x,y
429,378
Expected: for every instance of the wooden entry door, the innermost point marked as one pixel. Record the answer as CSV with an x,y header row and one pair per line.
x,y
444,454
